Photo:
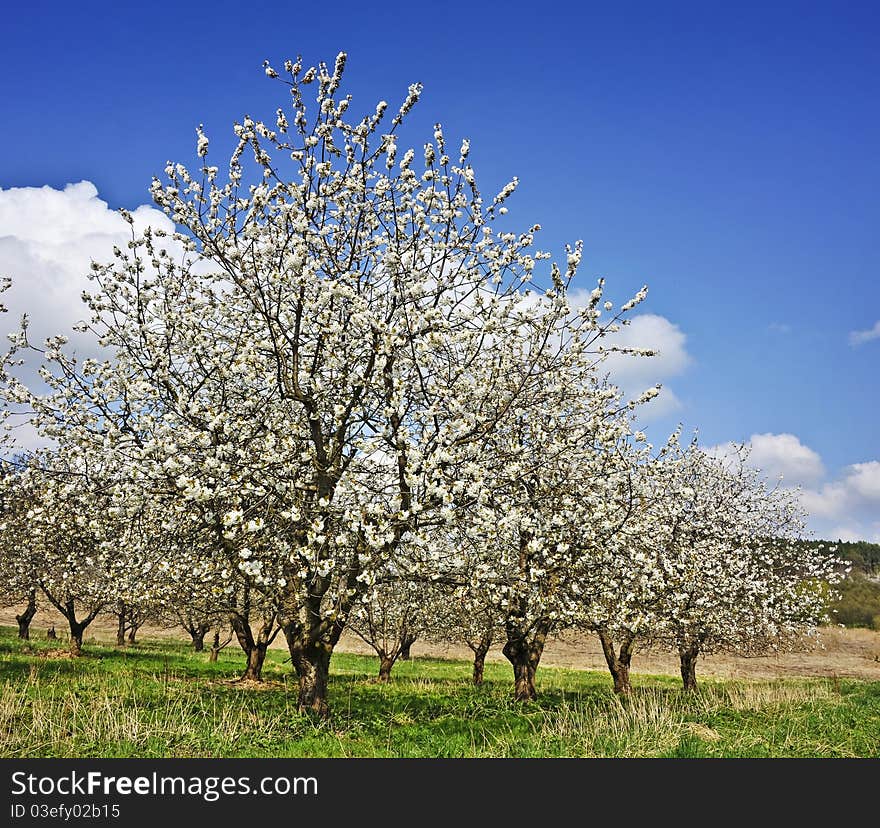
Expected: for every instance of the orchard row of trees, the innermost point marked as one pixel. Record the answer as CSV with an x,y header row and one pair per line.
x,y
343,394
700,563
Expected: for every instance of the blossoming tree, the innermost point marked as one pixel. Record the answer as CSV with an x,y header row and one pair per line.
x,y
732,574
304,375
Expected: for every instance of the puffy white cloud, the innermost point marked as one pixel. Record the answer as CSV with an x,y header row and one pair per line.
x,y
844,508
855,495
829,502
665,403
48,239
857,338
784,455
780,455
847,508
635,374
864,480
648,330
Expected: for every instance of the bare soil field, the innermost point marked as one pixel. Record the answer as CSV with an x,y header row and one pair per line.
x,y
852,653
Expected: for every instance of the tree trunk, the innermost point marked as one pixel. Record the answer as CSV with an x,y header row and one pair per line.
x,y
385,665
406,644
254,647
479,664
68,610
480,648
618,663
311,642
524,657
523,680
198,632
51,635
255,659
76,637
245,636
688,658
215,647
120,629
132,633
24,620
312,665
622,684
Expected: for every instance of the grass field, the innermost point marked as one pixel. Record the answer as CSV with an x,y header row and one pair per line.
x,y
161,699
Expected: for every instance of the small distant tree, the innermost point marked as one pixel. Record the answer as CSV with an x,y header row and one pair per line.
x,y
560,492
463,614
733,574
218,644
391,617
130,617
18,576
196,626
619,583
53,534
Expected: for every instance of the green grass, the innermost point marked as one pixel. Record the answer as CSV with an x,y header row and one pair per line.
x,y
160,699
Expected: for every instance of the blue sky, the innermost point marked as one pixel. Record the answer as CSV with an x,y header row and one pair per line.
x,y
725,154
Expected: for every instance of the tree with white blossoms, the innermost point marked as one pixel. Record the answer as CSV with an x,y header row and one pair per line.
x,y
53,530
328,311
18,575
18,582
130,617
619,584
202,578
466,613
557,490
186,602
137,543
732,574
196,624
391,616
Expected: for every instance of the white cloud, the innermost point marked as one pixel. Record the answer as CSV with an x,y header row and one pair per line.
x,y
847,508
648,330
857,338
844,508
636,374
864,479
855,495
829,502
665,403
780,455
784,455
48,240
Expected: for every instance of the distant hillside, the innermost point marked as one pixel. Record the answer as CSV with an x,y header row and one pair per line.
x,y
859,604
864,556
